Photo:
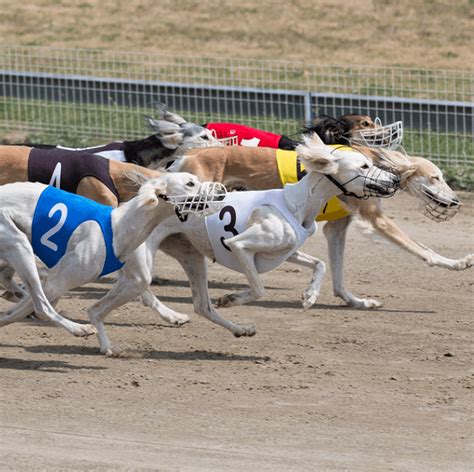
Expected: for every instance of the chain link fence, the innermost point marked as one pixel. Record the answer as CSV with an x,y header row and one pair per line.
x,y
83,97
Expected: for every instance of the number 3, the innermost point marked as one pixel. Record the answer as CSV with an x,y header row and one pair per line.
x,y
229,227
57,227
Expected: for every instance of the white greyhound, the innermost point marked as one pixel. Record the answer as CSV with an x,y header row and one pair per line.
x,y
80,240
274,225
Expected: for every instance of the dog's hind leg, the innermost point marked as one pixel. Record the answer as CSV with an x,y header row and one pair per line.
x,y
335,232
14,292
16,250
311,294
196,268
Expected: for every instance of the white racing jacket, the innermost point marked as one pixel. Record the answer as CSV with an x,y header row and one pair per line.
x,y
232,219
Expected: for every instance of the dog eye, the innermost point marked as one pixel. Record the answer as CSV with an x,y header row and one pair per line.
x,y
205,137
365,166
190,184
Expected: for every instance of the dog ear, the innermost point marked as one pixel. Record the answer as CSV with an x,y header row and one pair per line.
x,y
151,122
161,186
406,170
316,156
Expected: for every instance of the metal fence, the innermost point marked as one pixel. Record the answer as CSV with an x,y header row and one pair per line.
x,y
82,97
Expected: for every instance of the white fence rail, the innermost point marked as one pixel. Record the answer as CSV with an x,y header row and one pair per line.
x,y
87,96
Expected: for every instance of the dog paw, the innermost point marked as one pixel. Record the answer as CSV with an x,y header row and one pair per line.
x,y
366,304
227,301
309,299
175,319
245,330
11,296
84,330
112,352
466,262
181,320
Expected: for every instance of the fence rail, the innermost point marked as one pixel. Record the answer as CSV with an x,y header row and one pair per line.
x,y
83,95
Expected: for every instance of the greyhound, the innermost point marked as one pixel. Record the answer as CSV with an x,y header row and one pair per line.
x,y
80,240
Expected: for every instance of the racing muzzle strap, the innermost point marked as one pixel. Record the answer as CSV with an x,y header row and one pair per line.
x,y
378,182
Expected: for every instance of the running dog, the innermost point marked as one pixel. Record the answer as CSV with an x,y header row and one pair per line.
x,y
80,240
243,168
348,129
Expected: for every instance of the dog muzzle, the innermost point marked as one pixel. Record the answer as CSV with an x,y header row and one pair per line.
x,y
438,207
208,200
388,137
378,182
230,141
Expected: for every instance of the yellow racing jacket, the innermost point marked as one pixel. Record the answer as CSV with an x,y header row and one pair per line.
x,y
291,171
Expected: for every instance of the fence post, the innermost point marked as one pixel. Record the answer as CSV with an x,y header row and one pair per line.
x,y
308,112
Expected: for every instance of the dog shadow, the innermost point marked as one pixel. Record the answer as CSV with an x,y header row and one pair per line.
x,y
61,349
296,305
158,281
51,366
202,355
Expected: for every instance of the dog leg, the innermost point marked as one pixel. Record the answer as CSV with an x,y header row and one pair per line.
x,y
311,294
335,232
146,257
245,251
16,249
172,317
14,292
195,265
393,233
266,233
133,279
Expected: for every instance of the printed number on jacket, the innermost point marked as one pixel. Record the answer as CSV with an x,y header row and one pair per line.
x,y
229,227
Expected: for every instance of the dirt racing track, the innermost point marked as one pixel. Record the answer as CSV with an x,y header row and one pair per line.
x,y
327,389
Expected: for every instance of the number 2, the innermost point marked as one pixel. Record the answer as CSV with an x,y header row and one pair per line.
x,y
62,208
229,227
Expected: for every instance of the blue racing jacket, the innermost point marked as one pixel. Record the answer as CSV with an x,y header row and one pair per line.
x,y
57,215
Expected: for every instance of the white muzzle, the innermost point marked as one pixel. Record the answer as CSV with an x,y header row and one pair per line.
x,y
208,200
388,137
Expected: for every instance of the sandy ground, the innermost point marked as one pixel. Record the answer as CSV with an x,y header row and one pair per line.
x,y
327,389
413,33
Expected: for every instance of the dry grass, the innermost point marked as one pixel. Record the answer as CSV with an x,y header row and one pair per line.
x,y
414,33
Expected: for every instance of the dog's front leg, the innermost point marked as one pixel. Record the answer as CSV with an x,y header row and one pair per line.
x,y
133,279
392,232
311,294
335,232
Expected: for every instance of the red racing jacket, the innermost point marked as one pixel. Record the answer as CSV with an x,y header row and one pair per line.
x,y
252,137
